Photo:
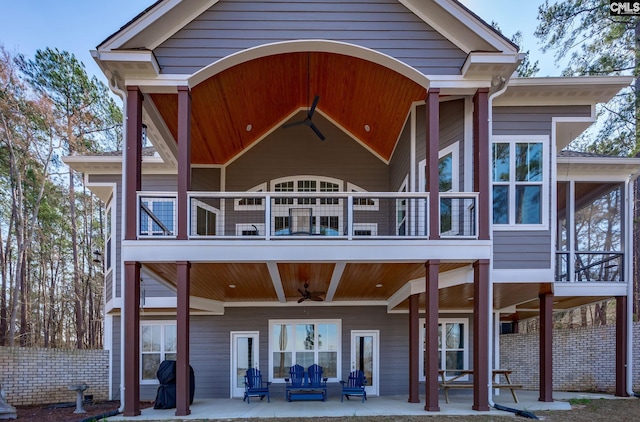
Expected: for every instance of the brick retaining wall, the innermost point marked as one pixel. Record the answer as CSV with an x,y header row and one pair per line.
x,y
41,376
583,358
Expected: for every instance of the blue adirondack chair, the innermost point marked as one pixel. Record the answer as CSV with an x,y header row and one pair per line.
x,y
316,380
296,380
354,386
254,386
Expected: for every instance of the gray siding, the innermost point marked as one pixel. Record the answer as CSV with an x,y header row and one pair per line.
x,y
160,182
451,130
211,354
382,25
108,286
339,156
400,161
205,179
532,120
116,347
521,250
154,288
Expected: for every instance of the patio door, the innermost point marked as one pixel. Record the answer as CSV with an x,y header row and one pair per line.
x,y
365,349
244,355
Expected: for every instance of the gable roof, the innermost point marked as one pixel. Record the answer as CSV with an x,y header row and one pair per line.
x,y
164,18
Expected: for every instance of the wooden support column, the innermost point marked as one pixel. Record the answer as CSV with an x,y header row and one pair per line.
x,y
622,341
414,349
481,166
481,321
431,335
133,160
132,334
184,159
433,149
182,330
546,347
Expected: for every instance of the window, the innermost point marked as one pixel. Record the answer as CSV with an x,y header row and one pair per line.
x,y
453,345
326,213
518,174
401,212
206,219
304,343
362,204
157,216
107,242
158,343
251,204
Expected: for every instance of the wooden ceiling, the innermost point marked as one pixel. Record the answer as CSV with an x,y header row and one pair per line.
x,y
252,282
263,92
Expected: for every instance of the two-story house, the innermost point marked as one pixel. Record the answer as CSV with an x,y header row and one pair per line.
x,y
361,185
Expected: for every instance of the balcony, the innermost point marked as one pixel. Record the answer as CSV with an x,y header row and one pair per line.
x,y
320,215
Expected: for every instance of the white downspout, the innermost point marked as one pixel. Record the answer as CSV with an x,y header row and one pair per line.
x,y
490,310
630,199
122,94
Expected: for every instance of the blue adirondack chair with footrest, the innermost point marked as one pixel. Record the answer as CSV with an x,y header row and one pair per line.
x,y
254,386
354,386
316,381
295,381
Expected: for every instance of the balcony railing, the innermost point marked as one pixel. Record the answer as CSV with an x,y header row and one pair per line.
x,y
591,266
316,215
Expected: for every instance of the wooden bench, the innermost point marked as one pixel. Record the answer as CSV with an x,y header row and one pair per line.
x,y
454,382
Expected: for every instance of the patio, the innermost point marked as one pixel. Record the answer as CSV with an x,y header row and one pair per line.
x,y
461,401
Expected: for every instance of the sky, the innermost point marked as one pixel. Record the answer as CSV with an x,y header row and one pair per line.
x,y
78,26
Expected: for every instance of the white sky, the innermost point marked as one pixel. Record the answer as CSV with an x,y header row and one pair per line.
x,y
78,26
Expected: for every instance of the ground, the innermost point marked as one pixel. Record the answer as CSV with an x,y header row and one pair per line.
x,y
584,410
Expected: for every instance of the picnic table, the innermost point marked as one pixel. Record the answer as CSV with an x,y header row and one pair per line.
x,y
456,381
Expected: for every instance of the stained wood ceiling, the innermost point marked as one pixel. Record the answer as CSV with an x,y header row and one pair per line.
x,y
353,92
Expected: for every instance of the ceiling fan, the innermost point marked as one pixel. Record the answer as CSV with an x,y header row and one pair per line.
x,y
307,295
307,121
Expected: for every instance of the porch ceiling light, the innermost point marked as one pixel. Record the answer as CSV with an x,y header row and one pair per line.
x,y
367,128
232,286
249,127
378,285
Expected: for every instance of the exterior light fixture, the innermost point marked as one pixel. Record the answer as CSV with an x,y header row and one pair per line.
x,y
97,257
143,137
249,127
367,128
378,285
232,286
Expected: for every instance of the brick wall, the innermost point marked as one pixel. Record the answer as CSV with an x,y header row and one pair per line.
x,y
41,376
583,358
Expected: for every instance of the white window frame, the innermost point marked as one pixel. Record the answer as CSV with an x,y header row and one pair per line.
x,y
355,188
337,322
162,324
259,188
318,209
443,321
403,189
194,215
372,227
512,140
151,200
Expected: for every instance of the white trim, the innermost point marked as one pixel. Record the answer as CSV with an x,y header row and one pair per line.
x,y
192,229
372,389
355,188
262,187
162,324
300,250
590,289
274,272
336,276
292,350
522,275
233,368
403,189
465,342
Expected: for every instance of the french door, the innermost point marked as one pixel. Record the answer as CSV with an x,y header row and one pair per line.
x,y
365,350
244,355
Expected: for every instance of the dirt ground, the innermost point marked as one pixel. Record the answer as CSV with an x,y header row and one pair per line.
x,y
619,410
